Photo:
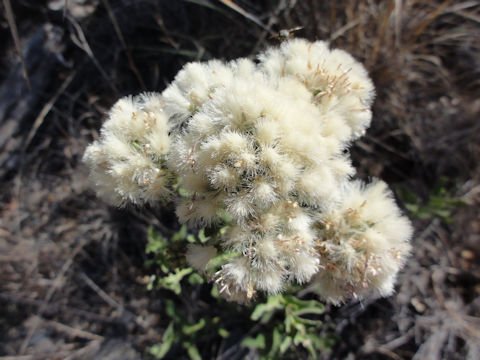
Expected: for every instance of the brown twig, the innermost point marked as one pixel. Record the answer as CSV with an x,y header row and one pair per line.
x,y
46,109
73,332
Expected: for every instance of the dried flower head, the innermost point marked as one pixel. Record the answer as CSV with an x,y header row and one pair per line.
x,y
265,144
127,163
363,243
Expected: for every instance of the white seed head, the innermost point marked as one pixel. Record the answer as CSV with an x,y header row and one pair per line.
x,y
127,163
267,145
364,241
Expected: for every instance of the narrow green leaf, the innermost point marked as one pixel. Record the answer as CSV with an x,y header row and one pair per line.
x,y
223,333
191,329
172,312
276,342
180,235
194,353
201,236
265,311
195,279
254,343
159,351
287,341
192,350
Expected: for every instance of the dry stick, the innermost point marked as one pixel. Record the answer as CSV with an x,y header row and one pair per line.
x,y
46,109
344,29
161,23
74,332
79,354
36,125
131,63
80,40
56,284
245,14
107,298
16,39
432,17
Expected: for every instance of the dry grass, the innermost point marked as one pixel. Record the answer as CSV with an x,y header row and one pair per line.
x,y
71,268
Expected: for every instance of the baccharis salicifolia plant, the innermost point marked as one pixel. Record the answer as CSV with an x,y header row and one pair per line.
x,y
264,144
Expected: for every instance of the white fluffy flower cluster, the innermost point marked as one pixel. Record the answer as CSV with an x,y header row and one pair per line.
x,y
127,163
266,144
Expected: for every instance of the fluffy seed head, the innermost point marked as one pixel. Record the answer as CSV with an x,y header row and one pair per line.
x,y
266,145
128,162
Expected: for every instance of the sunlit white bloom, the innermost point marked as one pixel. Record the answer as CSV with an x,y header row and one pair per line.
x,y
127,163
234,280
364,241
338,85
265,146
251,157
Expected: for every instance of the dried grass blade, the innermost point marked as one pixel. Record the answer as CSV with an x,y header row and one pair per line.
x,y
238,9
46,109
16,39
430,19
80,40
131,63
382,31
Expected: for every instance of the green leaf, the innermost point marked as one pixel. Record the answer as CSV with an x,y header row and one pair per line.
x,y
159,351
265,311
276,342
171,311
315,309
292,322
324,342
254,343
194,353
192,350
156,242
136,145
180,235
172,281
224,333
306,342
191,329
195,278
183,193
287,341
151,282
201,236
214,292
